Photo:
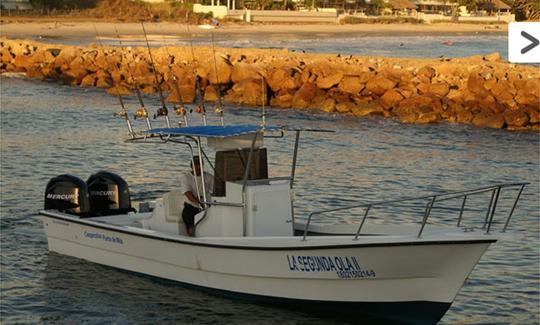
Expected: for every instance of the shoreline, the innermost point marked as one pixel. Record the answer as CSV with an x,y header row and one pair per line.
x,y
83,29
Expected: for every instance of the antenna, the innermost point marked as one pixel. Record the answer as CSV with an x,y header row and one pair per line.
x,y
219,109
198,94
141,112
163,111
124,112
179,110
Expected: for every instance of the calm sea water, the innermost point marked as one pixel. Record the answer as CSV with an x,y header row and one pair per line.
x,y
425,46
49,129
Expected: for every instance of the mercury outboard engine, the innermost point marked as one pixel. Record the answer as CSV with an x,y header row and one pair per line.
x,y
109,194
68,194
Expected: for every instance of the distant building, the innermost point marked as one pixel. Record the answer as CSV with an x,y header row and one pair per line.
x,y
492,7
405,7
434,6
15,5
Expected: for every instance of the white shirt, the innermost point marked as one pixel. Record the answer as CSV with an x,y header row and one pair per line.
x,y
187,184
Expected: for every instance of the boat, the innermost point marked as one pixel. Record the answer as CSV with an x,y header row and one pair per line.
x,y
249,243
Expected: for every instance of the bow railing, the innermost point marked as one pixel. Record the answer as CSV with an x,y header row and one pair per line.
x,y
433,199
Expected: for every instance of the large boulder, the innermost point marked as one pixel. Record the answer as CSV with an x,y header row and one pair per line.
x,y
524,97
372,108
141,72
390,99
484,119
242,71
75,75
67,55
416,103
187,92
422,114
282,99
22,63
248,92
493,57
211,94
407,90
427,117
119,90
325,82
281,78
533,113
345,107
423,88
502,86
426,73
439,89
35,72
318,101
88,81
329,105
303,96
464,116
5,56
350,85
475,84
516,118
379,85
43,57
219,72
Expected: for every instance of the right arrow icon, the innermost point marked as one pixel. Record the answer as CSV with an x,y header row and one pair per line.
x,y
534,42
524,42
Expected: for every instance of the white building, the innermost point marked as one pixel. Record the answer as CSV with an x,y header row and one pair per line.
x,y
15,5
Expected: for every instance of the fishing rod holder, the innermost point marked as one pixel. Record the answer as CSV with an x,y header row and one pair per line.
x,y
141,113
122,114
162,111
180,110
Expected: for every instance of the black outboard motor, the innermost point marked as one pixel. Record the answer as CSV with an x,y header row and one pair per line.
x,y
68,194
109,194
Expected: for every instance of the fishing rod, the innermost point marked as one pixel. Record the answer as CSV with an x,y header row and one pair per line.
x,y
219,109
179,110
263,100
124,113
163,111
142,112
198,95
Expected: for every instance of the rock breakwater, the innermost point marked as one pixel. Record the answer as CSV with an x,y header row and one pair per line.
x,y
480,90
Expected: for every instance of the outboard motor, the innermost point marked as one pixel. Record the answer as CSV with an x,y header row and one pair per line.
x,y
68,194
109,194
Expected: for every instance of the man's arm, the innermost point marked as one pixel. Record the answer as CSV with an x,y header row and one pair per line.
x,y
187,189
192,198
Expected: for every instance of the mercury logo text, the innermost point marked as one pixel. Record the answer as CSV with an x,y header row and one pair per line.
x,y
64,197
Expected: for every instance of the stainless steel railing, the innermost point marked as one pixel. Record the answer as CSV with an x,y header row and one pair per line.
x,y
432,199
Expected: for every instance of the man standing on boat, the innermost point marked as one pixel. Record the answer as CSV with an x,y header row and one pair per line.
x,y
191,186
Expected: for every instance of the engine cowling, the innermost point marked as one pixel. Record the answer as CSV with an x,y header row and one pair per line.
x,y
68,194
109,194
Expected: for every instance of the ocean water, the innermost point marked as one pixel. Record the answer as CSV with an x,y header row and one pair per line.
x,y
410,46
47,129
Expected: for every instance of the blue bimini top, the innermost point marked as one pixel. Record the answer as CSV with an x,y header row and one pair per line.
x,y
212,131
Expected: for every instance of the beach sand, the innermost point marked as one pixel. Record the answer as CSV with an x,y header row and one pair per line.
x,y
83,30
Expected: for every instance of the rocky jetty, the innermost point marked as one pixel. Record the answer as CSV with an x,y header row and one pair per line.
x,y
484,91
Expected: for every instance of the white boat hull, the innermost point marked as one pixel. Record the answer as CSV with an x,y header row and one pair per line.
x,y
403,281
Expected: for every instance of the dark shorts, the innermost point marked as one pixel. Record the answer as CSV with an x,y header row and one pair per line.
x,y
188,214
